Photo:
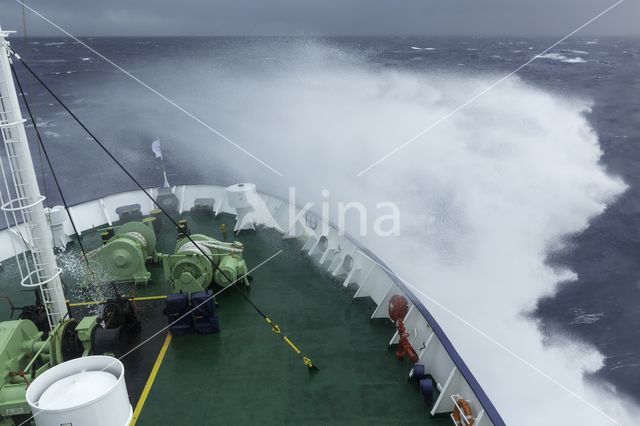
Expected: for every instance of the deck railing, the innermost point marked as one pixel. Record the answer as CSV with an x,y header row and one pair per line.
x,y
341,256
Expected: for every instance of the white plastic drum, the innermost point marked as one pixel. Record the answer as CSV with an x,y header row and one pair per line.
x,y
241,195
57,215
85,391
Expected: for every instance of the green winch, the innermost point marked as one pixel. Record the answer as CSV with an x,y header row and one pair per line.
x,y
124,255
190,271
25,353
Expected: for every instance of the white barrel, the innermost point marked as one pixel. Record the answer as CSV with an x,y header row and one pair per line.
x,y
240,195
57,215
84,391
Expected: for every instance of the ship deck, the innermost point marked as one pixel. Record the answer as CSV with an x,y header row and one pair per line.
x,y
246,374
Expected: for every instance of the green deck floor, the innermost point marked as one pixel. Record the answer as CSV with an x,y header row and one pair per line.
x,y
247,375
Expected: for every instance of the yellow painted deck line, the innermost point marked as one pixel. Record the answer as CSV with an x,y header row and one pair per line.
x,y
135,299
150,380
73,305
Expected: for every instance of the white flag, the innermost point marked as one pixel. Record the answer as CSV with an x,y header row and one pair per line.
x,y
155,147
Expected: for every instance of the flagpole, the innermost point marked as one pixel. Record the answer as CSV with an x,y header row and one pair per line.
x,y
164,172
157,150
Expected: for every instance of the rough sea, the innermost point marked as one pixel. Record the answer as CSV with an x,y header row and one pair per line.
x,y
234,83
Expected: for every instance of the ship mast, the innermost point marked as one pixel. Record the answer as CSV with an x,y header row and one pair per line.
x,y
22,202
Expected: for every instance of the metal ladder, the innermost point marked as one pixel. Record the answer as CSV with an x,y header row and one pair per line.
x,y
22,204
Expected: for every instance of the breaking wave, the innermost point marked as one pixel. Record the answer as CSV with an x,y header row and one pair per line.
x,y
578,52
484,197
562,58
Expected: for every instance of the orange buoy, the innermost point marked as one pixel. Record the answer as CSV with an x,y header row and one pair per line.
x,y
461,403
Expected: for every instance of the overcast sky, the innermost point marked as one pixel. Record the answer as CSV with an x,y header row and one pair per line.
x,y
323,17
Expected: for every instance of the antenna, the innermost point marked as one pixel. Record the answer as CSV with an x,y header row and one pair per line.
x,y
22,202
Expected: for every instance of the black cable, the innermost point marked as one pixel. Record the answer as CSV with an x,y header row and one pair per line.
x,y
53,173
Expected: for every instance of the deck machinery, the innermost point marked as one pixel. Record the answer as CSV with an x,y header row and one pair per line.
x,y
128,249
189,270
124,255
200,262
26,352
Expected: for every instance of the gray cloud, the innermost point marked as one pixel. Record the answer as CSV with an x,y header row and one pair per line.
x,y
330,17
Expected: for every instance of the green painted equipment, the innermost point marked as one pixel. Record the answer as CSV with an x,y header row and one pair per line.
x,y
24,355
190,271
124,256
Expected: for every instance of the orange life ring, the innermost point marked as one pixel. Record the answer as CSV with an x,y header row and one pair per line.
x,y
468,414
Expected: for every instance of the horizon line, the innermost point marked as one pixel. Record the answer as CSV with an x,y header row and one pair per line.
x,y
594,35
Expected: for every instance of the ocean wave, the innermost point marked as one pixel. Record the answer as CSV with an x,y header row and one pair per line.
x,y
482,250
50,61
45,123
560,57
578,52
576,60
584,318
422,48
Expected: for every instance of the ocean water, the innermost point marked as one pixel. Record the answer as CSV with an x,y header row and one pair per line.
x,y
557,146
